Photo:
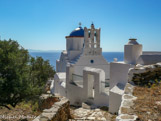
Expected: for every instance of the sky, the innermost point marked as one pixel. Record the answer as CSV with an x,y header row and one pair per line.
x,y
43,24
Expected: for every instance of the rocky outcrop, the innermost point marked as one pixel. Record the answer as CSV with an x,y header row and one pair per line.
x,y
59,111
145,75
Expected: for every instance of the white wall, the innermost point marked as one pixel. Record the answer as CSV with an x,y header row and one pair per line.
x,y
118,78
74,43
73,54
92,77
74,93
115,98
119,73
132,53
61,64
77,94
99,62
60,78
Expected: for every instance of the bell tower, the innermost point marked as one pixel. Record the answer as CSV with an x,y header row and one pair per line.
x,y
92,41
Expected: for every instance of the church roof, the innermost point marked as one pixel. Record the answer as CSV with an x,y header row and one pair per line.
x,y
149,59
78,32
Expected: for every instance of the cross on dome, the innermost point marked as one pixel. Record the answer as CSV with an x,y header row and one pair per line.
x,y
80,24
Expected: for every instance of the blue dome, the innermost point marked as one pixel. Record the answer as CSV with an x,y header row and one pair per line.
x,y
78,32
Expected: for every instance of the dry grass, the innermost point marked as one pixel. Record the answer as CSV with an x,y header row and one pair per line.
x,y
26,111
148,104
22,112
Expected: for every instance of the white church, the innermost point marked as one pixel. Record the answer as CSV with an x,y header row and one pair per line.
x,y
84,76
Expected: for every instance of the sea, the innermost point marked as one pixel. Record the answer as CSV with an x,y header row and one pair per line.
x,y
53,56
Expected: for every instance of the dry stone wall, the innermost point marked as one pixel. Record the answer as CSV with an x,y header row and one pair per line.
x,y
59,111
46,101
125,111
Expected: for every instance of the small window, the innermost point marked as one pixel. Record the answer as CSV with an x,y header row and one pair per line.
x,y
92,61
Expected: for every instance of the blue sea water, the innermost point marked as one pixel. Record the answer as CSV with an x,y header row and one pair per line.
x,y
53,56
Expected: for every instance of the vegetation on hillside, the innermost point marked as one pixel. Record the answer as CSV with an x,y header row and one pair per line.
x,y
148,104
148,78
22,77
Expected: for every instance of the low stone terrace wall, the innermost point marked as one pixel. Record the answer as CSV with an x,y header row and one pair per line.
x,y
59,111
141,76
125,111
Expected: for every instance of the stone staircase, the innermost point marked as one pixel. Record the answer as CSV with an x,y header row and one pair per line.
x,y
75,59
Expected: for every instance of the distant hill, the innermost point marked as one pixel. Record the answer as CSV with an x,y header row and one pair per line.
x,y
31,50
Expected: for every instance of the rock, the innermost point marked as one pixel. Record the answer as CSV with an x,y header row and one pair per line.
x,y
126,110
127,96
126,117
158,102
51,110
128,89
86,106
91,118
43,119
148,113
103,119
90,114
47,116
37,118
